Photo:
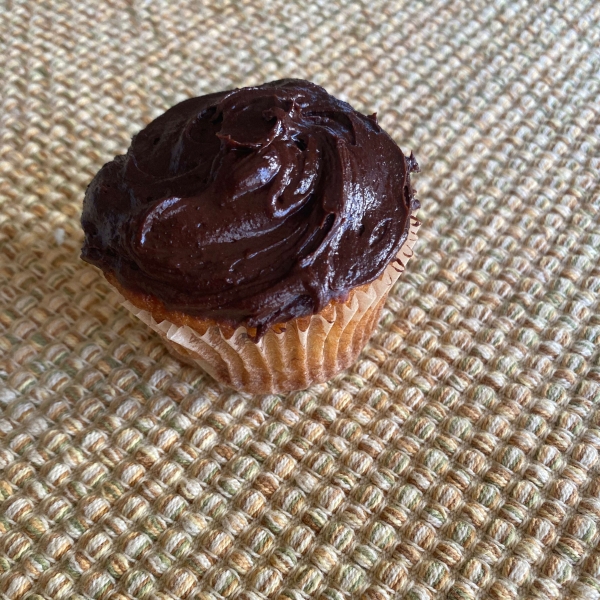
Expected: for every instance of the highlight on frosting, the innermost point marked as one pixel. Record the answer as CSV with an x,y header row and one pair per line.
x,y
251,206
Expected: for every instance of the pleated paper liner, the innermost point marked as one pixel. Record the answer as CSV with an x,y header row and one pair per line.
x,y
292,356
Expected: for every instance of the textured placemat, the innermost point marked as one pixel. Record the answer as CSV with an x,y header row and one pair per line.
x,y
457,459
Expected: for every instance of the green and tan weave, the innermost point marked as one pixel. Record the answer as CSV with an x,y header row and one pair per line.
x,y
459,458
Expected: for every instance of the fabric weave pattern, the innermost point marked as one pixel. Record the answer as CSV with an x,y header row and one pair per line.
x,y
458,458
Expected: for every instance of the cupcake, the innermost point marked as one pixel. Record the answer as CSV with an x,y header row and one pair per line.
x,y
258,231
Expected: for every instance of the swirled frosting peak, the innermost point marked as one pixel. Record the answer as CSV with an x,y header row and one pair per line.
x,y
251,206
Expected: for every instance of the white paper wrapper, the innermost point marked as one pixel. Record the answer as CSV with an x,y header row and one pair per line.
x,y
308,351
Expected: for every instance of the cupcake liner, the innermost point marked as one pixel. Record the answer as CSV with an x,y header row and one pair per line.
x,y
304,351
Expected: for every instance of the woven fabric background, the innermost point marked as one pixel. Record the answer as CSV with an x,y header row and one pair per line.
x,y
459,458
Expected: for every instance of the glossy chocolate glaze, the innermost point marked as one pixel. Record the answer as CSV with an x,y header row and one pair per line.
x,y
252,206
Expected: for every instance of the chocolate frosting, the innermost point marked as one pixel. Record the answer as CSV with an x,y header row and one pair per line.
x,y
252,206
